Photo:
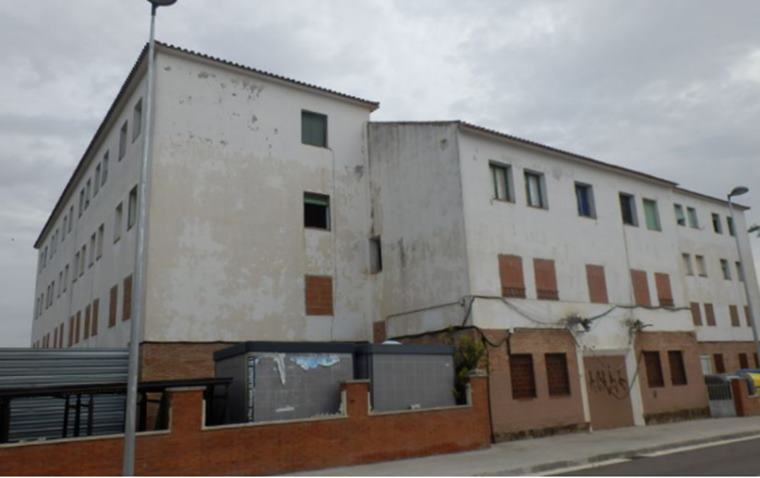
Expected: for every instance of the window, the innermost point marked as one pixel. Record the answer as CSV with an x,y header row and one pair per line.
x,y
696,314
743,361
113,303
733,312
313,129
739,271
101,231
137,120
511,275
677,368
664,293
87,322
71,216
535,190
132,208
556,374
730,223
680,216
65,223
654,369
725,269
94,323
117,223
584,196
687,264
77,323
71,331
81,202
82,259
628,209
318,295
501,176
92,249
96,182
76,267
693,220
123,141
701,268
316,211
720,367
709,315
546,279
717,225
651,215
706,363
747,317
640,288
87,188
65,277
60,283
597,285
104,176
126,306
522,378
375,255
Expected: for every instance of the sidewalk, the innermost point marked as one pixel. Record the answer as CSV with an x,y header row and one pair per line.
x,y
544,454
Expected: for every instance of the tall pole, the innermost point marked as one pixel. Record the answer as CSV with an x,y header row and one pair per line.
x,y
750,311
128,466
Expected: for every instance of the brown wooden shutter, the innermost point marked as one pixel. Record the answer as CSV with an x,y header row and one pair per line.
x,y
597,285
696,313
556,374
55,337
677,368
664,292
654,369
733,311
720,367
709,315
95,310
546,279
112,304
77,323
71,331
318,295
640,288
87,322
521,372
60,335
743,361
511,275
126,306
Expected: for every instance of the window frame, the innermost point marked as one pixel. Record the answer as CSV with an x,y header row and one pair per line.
x,y
589,190
137,112
725,268
654,210
132,208
680,215
494,166
691,213
318,199
123,140
717,223
543,197
324,143
630,201
686,261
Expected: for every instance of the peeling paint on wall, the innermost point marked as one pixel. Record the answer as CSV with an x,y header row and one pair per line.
x,y
312,361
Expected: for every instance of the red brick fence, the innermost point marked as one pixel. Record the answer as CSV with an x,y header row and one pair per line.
x,y
188,448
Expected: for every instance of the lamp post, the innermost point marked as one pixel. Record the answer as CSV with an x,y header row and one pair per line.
x,y
738,191
128,465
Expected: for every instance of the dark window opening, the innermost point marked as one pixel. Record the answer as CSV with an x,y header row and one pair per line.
x,y
654,369
584,196
316,211
375,255
556,374
628,209
521,372
314,129
677,368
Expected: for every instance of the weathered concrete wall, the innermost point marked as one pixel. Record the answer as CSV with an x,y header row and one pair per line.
x,y
228,250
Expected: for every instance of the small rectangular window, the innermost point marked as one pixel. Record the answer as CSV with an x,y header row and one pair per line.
x,y
137,120
717,225
535,190
375,255
522,377
748,319
318,295
132,208
680,216
733,313
81,202
677,368
664,292
314,129
730,224
104,176
701,267
557,375
101,232
653,369
709,315
739,271
720,367
640,288
546,279
696,314
628,209
724,267
65,277
76,267
113,304
117,220
316,211
126,306
743,361
93,241
692,215
71,216
95,312
501,177
687,264
83,260
597,284
96,182
652,215
123,141
584,197
88,187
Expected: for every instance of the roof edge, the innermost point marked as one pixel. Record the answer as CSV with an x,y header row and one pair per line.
x,y
723,202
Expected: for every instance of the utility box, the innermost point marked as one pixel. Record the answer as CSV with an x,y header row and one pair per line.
x,y
404,377
283,380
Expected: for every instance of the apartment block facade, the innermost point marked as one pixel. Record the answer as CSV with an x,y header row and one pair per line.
x,y
278,211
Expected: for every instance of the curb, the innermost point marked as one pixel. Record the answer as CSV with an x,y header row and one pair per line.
x,y
556,465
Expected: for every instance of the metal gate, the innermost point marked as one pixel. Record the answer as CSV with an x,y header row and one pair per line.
x,y
720,397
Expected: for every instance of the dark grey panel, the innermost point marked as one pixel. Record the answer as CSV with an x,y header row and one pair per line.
x,y
401,382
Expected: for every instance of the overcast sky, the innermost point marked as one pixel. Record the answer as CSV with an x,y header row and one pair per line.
x,y
671,88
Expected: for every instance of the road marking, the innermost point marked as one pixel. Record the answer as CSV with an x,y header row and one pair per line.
x,y
697,447
587,466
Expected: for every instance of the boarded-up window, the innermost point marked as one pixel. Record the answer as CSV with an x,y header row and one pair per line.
x,y
318,295
733,311
743,361
77,323
640,288
94,324
546,279
597,285
557,375
112,304
677,368
55,337
696,313
87,322
720,367
709,315
521,372
511,274
126,306
71,332
654,369
664,293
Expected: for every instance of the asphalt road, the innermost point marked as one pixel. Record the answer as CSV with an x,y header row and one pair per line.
x,y
739,458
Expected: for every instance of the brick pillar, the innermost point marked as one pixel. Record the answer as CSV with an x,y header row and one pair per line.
x,y
357,397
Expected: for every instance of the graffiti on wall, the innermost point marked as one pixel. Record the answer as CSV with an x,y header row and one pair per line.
x,y
606,379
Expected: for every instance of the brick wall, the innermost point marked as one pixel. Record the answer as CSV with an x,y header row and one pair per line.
x,y
730,352
178,360
189,449
746,404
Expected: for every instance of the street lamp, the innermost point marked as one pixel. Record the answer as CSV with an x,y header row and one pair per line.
x,y
738,191
128,465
